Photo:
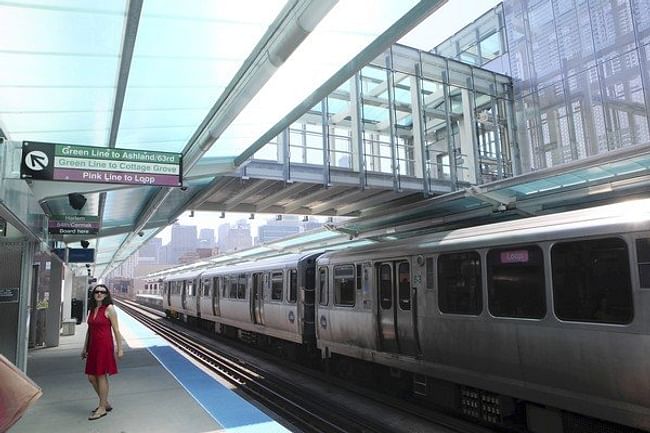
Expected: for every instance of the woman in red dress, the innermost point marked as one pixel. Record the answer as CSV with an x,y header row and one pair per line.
x,y
98,349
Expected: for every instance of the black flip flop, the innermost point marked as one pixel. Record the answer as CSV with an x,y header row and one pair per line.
x,y
108,409
93,417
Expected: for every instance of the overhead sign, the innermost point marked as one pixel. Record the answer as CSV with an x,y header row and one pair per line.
x,y
71,163
73,225
76,255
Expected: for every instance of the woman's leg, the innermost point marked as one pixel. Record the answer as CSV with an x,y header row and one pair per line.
x,y
93,381
102,386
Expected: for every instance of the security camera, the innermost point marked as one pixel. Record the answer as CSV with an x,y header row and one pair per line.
x,y
77,201
87,265
183,188
84,244
141,233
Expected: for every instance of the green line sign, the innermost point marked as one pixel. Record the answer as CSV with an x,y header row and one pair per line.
x,y
74,163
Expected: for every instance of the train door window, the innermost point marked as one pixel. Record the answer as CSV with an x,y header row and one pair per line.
x,y
429,273
206,287
232,293
276,285
643,259
190,288
385,287
323,289
359,275
344,285
216,285
516,282
293,285
591,281
404,288
459,283
225,286
241,286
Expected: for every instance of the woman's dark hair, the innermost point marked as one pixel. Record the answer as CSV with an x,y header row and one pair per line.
x,y
106,301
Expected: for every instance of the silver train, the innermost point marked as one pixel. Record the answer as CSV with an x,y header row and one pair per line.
x,y
542,322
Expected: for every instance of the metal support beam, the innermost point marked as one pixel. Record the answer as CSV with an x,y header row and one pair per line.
x,y
391,116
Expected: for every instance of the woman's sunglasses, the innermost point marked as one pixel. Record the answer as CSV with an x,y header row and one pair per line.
x,y
101,292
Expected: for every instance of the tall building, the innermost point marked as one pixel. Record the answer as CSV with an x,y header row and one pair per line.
x,y
150,252
183,240
235,236
581,83
274,229
206,238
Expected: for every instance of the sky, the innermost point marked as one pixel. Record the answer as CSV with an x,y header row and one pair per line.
x,y
443,23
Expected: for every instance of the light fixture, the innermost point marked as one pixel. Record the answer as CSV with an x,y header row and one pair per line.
x,y
191,214
223,215
252,216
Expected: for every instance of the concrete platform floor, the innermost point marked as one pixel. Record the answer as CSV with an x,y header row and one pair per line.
x,y
145,397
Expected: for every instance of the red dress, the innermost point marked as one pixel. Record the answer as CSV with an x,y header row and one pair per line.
x,y
101,355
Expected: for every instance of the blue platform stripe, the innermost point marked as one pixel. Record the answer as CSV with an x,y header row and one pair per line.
x,y
231,411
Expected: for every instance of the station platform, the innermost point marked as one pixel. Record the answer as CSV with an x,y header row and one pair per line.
x,y
157,389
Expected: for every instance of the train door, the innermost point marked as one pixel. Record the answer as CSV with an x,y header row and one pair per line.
x,y
257,298
168,290
396,323
217,284
198,293
183,294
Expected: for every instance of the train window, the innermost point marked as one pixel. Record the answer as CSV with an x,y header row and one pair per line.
x,y
241,286
216,285
516,282
207,285
459,283
591,281
323,295
429,273
232,280
385,287
226,286
344,285
404,288
276,285
190,288
643,259
293,285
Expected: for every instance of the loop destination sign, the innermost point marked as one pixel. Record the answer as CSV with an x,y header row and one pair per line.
x,y
73,163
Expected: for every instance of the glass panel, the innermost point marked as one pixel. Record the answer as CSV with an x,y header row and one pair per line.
x,y
276,286
385,287
323,289
516,282
293,285
459,283
344,285
404,281
591,281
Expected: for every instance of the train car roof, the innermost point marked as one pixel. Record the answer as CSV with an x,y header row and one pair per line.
x,y
625,216
280,261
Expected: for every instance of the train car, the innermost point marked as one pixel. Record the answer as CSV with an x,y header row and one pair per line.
x,y
180,295
271,297
150,300
545,319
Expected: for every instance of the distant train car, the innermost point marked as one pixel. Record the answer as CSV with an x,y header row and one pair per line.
x,y
180,298
531,316
153,301
271,297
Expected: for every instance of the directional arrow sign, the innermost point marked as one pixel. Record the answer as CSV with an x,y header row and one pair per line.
x,y
36,160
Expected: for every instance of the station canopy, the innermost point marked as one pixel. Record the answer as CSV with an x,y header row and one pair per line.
x,y
204,79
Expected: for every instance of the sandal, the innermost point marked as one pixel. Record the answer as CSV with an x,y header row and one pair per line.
x,y
108,409
95,416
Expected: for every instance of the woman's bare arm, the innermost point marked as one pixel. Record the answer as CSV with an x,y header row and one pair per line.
x,y
112,316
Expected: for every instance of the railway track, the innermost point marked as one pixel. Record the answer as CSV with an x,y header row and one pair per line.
x,y
287,401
